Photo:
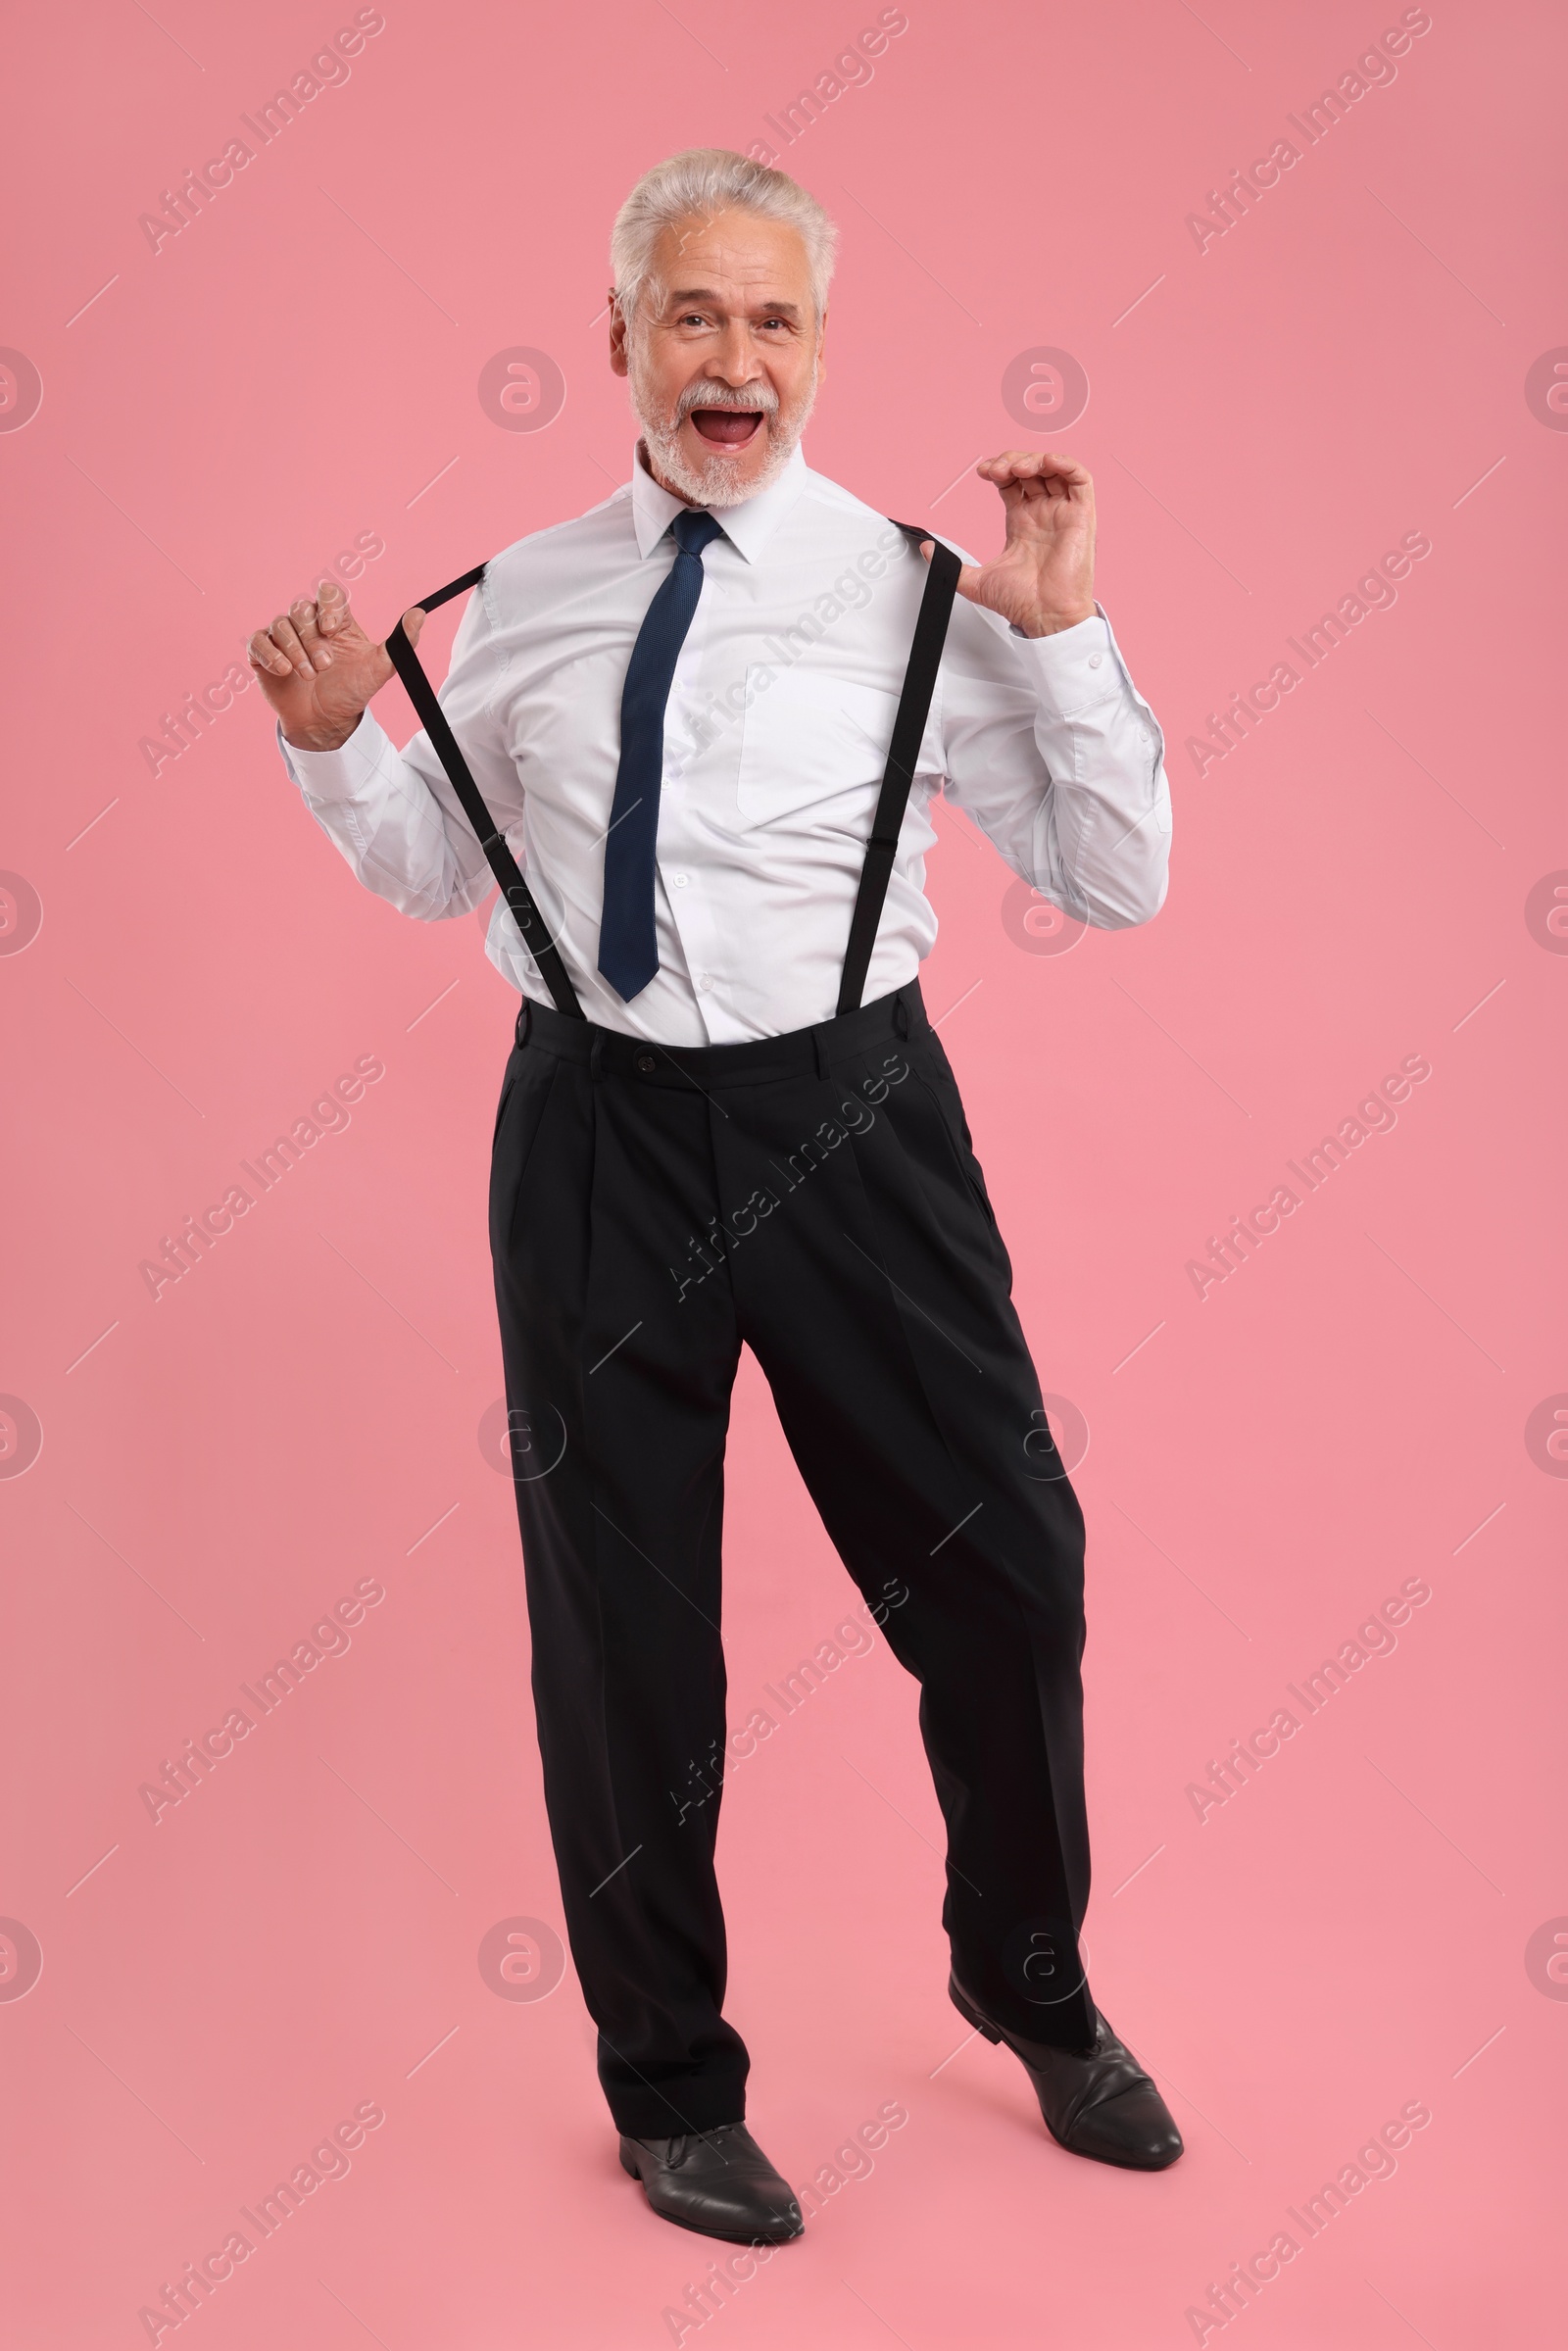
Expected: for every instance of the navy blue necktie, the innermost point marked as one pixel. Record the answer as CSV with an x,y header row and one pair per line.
x,y
628,948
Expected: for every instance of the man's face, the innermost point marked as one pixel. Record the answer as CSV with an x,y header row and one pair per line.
x,y
724,355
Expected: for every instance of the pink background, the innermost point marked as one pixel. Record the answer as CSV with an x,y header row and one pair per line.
x,y
1351,1933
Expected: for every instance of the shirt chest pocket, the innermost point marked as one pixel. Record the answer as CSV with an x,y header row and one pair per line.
x,y
813,749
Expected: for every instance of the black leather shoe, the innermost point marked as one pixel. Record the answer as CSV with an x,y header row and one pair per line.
x,y
1096,2101
719,2183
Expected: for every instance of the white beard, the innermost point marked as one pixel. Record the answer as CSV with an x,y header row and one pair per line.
x,y
713,482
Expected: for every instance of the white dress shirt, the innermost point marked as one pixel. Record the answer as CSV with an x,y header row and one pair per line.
x,y
775,736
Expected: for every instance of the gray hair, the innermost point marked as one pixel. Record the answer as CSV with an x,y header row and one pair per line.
x,y
700,183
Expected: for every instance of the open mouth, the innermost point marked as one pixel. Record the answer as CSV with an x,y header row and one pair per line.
x,y
726,428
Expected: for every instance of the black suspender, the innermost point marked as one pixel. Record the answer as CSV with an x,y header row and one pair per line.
x,y
908,727
502,864
914,703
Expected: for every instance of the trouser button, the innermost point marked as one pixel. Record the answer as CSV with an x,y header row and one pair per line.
x,y
646,1063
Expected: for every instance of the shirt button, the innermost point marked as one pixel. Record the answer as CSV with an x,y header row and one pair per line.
x,y
646,1063
1094,661
679,880
705,981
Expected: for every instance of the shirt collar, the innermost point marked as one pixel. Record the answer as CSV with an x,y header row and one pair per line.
x,y
748,526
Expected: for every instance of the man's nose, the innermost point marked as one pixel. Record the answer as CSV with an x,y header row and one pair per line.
x,y
735,361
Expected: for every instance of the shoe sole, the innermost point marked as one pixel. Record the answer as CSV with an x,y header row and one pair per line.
x,y
972,2017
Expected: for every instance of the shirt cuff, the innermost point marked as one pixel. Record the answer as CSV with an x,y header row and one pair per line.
x,y
1075,667
343,775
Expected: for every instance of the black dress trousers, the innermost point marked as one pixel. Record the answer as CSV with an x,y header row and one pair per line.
x,y
814,1195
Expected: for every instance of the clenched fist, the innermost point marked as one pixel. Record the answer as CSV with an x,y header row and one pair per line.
x,y
318,669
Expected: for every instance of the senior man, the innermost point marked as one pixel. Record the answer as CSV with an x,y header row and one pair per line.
x,y
707,720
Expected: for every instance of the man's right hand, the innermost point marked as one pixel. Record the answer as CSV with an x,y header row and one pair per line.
x,y
318,669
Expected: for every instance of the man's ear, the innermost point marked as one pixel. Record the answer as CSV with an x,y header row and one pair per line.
x,y
822,343
617,337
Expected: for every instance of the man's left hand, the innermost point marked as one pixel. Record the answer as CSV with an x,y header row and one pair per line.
x,y
1043,578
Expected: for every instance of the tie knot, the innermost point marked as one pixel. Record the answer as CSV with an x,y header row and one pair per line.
x,y
695,530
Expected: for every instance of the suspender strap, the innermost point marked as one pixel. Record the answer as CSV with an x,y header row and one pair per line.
x,y
915,704
502,864
898,777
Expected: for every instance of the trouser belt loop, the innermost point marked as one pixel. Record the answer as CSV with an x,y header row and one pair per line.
x,y
820,1050
900,1017
524,1022
596,1059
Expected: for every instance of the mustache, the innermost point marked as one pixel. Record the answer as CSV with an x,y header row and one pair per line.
x,y
747,399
